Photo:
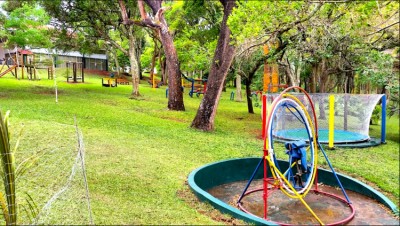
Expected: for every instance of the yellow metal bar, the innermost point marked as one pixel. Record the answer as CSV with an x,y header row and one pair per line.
x,y
331,121
294,191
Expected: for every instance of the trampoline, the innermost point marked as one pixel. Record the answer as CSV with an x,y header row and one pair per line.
x,y
341,136
346,115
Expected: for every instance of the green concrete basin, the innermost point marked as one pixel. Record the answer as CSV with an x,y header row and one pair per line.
x,y
228,171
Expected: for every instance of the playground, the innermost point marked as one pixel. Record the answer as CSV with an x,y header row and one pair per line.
x,y
292,192
139,154
220,112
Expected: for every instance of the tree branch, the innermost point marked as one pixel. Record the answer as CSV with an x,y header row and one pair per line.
x,y
291,25
382,29
116,45
142,10
145,22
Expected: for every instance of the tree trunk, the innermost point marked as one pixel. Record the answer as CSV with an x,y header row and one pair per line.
x,y
153,62
163,66
134,64
116,61
224,86
175,95
346,111
222,60
292,73
138,51
248,96
350,81
323,75
238,88
322,114
314,76
159,24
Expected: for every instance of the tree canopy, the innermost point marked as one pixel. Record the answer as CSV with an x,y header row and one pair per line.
x,y
341,46
27,26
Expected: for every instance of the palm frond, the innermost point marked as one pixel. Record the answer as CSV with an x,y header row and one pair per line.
x,y
8,163
3,204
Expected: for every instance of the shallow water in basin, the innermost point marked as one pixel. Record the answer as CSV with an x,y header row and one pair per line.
x,y
286,210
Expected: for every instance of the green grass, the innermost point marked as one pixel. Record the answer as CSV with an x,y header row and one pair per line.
x,y
139,154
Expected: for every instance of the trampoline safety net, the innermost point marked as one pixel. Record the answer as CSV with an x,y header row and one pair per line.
x,y
352,114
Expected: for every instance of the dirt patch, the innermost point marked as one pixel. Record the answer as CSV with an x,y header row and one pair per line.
x,y
45,90
187,196
109,102
3,95
76,83
173,119
256,133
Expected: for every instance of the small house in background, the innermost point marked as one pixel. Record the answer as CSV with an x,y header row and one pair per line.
x,y
92,63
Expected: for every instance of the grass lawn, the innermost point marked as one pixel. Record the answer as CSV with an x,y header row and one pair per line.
x,y
139,154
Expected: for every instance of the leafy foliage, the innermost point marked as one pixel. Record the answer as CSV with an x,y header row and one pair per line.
x,y
27,26
340,45
195,25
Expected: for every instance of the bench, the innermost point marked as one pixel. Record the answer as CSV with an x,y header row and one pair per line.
x,y
123,81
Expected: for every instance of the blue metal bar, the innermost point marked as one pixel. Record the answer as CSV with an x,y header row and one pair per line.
x,y
250,180
383,120
286,105
334,173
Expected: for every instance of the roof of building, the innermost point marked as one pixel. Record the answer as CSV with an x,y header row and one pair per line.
x,y
70,53
25,52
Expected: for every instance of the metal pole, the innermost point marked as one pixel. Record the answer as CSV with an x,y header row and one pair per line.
x,y
383,120
331,121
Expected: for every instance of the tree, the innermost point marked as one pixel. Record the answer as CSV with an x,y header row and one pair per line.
x,y
195,27
26,26
248,64
220,65
326,40
158,23
80,24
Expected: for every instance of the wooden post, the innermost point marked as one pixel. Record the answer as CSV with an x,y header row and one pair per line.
x,y
22,67
83,72
74,71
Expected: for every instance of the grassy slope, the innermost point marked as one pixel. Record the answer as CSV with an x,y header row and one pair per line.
x,y
138,153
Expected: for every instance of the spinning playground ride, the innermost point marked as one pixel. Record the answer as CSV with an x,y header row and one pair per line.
x,y
296,180
287,192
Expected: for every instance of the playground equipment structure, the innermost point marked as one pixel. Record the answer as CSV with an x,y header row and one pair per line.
x,y
271,81
295,181
343,119
75,72
109,82
26,60
198,86
349,115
